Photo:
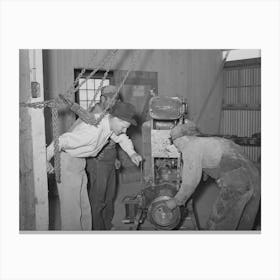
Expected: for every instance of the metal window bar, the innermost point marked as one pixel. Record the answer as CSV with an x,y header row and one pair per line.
x,y
98,75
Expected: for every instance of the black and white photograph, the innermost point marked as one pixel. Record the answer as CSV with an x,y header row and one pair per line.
x,y
140,140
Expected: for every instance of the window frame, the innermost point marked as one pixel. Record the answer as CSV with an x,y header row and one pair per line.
x,y
98,75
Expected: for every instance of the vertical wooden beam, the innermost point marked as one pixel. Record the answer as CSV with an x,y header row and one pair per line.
x,y
38,144
26,187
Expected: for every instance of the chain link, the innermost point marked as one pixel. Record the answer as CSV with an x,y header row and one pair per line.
x,y
80,75
36,105
57,166
103,62
77,109
114,98
102,81
85,115
53,104
74,88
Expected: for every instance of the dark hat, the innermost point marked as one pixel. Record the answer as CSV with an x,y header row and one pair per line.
x,y
124,111
189,128
109,91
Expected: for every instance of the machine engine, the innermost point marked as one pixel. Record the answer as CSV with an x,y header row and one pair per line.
x,y
161,169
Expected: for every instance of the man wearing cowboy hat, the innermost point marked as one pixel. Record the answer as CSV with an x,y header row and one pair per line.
x,y
237,177
87,141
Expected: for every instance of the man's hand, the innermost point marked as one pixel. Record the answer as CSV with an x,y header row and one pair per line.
x,y
220,182
136,159
117,164
50,168
50,151
171,203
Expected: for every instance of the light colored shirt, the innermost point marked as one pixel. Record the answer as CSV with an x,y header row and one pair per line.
x,y
87,140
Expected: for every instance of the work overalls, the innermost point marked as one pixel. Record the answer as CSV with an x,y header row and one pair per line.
x,y
102,186
238,201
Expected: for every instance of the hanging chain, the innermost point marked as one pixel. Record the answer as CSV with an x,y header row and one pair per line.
x,y
36,105
53,103
103,62
102,81
80,75
71,91
84,114
114,98
57,166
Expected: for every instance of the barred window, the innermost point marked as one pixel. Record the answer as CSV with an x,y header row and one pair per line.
x,y
87,91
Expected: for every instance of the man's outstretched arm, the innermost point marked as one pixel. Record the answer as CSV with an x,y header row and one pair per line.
x,y
127,145
191,175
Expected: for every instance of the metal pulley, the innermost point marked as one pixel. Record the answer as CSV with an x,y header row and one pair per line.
x,y
161,216
158,213
150,203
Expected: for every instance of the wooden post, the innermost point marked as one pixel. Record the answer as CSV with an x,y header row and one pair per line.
x,y
39,142
34,212
26,187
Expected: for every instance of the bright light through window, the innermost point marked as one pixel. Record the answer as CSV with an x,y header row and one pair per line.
x,y
88,90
